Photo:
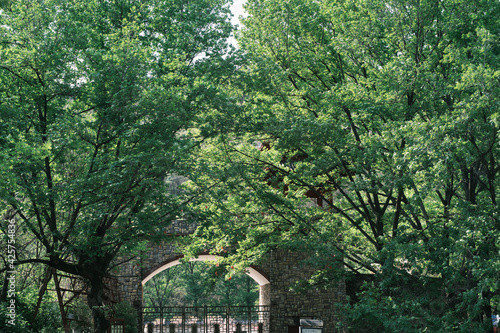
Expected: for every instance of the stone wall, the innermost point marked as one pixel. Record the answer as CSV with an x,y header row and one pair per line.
x,y
287,307
131,273
282,270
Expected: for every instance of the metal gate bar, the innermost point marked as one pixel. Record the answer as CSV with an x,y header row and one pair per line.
x,y
206,319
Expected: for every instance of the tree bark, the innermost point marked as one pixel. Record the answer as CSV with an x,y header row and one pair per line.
x,y
95,302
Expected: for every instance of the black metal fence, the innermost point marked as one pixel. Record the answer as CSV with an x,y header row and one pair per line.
x,y
207,319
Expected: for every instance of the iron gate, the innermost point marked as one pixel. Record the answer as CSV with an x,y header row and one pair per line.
x,y
206,319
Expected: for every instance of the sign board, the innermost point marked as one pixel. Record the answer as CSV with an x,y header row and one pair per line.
x,y
311,322
310,330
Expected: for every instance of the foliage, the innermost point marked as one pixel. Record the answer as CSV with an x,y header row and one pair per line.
x,y
124,310
384,113
81,317
22,247
21,323
163,289
47,320
97,99
198,284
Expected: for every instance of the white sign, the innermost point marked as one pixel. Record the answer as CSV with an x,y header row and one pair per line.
x,y
311,330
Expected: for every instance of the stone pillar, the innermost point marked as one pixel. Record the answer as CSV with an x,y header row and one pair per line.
x,y
265,300
287,307
265,294
130,286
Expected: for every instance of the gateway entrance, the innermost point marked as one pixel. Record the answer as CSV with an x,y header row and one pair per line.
x,y
207,319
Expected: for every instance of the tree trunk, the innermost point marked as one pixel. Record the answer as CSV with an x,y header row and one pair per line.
x,y
41,291
61,302
96,304
3,293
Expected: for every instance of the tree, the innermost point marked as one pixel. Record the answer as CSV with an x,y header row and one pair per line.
x,y
97,99
198,284
163,289
48,318
385,113
22,283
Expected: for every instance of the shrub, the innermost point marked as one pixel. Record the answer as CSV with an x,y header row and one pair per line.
x,y
124,310
48,319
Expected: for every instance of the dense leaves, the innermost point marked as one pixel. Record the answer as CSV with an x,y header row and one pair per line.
x,y
97,99
199,284
386,114
48,319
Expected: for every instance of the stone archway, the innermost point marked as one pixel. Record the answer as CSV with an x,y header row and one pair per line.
x,y
251,271
254,272
275,276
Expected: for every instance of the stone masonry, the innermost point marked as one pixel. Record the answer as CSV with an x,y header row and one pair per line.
x,y
275,277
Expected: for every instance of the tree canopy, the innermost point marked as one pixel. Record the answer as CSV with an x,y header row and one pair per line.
x,y
198,284
97,99
386,114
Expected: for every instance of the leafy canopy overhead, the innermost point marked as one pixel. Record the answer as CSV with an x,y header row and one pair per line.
x,y
97,103
95,110
386,114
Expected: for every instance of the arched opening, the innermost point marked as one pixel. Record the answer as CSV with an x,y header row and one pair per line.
x,y
253,272
180,314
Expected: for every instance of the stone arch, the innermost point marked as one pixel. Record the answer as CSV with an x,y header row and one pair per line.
x,y
254,272
276,276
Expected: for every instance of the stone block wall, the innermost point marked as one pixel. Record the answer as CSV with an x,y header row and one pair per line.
x,y
282,269
287,307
